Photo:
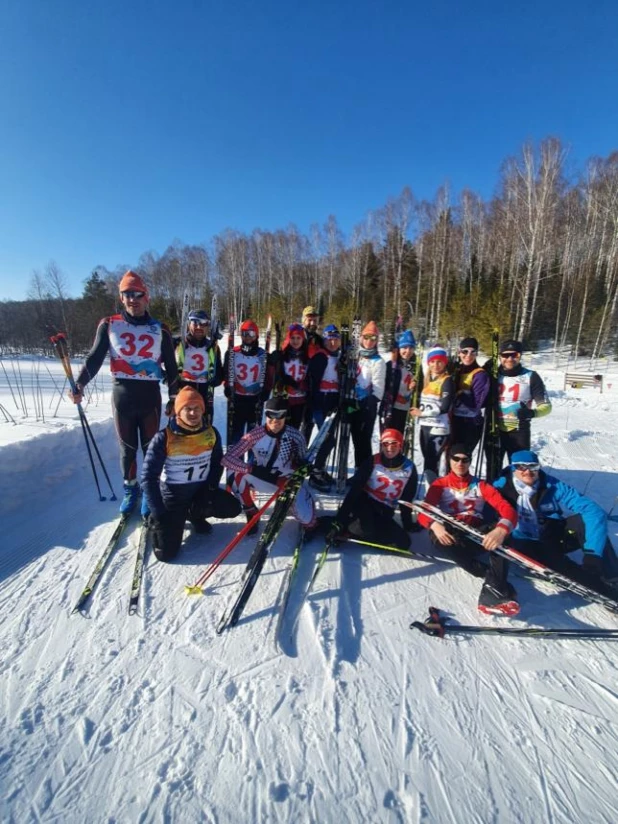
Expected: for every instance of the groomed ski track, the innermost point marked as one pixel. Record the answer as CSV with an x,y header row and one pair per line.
x,y
154,718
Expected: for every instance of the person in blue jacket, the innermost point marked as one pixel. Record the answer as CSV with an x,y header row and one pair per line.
x,y
181,473
547,532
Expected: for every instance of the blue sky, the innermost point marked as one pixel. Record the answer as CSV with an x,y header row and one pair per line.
x,y
126,125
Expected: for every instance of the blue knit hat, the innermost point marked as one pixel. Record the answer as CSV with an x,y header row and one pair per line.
x,y
524,456
406,339
330,331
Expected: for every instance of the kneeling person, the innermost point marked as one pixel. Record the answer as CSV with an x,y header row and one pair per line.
x,y
275,451
181,473
378,484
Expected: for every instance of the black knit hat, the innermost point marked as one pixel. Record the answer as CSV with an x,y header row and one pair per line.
x,y
469,343
276,404
459,449
511,346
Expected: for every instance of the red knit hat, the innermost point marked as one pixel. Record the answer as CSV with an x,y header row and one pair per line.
x,y
186,396
131,282
392,435
370,329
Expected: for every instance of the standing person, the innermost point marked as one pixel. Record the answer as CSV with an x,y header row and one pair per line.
x,y
249,380
472,384
521,397
378,484
433,412
311,320
324,389
275,450
199,359
289,372
368,392
137,345
400,383
181,474
546,533
461,495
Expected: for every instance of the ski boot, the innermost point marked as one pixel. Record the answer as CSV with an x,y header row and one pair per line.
x,y
201,526
495,600
250,511
127,505
321,480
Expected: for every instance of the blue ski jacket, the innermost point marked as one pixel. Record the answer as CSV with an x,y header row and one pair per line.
x,y
554,496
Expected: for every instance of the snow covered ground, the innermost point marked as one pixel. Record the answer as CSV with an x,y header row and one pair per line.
x,y
155,718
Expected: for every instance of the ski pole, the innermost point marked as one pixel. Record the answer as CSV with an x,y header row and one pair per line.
x,y
60,343
405,553
197,588
437,626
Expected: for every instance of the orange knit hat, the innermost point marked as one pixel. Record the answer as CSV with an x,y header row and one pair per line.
x,y
186,396
371,329
132,283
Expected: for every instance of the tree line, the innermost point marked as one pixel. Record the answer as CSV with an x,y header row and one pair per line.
x,y
539,261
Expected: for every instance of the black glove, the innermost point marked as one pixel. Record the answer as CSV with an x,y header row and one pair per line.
x,y
264,474
156,528
593,563
227,391
524,413
169,407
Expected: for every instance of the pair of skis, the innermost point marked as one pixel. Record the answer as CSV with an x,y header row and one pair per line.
x,y
288,580
533,568
138,570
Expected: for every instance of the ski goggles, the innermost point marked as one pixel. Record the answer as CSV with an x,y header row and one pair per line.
x,y
201,323
296,327
248,333
530,467
276,414
468,351
131,294
509,355
369,337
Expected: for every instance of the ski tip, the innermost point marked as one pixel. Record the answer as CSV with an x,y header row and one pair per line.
x,y
193,590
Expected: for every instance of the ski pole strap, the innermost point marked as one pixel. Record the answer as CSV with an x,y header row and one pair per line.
x,y
433,625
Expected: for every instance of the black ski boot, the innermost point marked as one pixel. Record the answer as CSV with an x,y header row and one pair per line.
x,y
249,513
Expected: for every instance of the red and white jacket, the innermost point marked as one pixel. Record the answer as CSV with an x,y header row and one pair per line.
x,y
464,498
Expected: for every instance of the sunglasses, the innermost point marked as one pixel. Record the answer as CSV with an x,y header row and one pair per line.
x,y
390,443
369,337
507,355
468,351
527,467
131,294
276,414
201,323
248,333
460,459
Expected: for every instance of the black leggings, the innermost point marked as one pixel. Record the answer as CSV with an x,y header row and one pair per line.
x,y
137,416
205,503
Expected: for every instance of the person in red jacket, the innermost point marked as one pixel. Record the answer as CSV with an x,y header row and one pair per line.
x,y
464,497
